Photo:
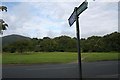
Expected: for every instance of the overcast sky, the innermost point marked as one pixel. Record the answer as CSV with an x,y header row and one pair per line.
x,y
40,19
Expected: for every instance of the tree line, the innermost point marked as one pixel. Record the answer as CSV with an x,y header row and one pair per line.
x,y
107,43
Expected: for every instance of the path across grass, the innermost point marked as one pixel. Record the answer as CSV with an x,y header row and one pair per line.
x,y
54,57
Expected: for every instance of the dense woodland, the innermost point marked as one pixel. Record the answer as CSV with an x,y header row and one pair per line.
x,y
107,43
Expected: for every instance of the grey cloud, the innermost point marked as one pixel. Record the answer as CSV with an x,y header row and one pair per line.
x,y
96,20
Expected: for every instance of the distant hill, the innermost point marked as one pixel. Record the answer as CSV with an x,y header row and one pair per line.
x,y
13,38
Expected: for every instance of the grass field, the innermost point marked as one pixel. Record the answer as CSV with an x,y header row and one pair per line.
x,y
54,57
91,57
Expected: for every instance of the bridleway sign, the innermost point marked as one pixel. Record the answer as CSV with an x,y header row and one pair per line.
x,y
80,9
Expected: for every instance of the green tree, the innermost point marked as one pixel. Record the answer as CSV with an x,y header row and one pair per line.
x,y
20,46
48,45
112,42
65,43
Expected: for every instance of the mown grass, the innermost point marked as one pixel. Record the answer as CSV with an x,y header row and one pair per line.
x,y
54,57
91,57
39,58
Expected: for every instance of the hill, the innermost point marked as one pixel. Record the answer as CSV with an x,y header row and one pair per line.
x,y
12,38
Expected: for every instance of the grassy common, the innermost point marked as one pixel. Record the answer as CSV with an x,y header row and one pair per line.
x,y
55,57
91,57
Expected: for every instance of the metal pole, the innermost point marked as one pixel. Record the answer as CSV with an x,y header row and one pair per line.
x,y
78,44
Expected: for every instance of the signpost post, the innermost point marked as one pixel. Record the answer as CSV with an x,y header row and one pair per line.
x,y
74,17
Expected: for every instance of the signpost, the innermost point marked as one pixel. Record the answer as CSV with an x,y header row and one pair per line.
x,y
74,17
